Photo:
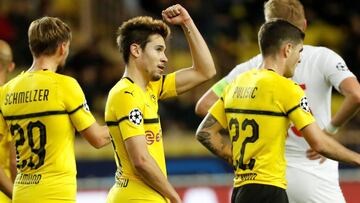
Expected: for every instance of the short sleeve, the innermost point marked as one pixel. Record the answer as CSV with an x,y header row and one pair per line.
x,y
130,114
295,104
333,67
218,111
76,105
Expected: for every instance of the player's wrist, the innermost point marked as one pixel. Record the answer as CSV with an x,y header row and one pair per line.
x,y
330,128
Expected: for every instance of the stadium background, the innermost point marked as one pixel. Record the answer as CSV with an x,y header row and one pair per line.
x,y
230,29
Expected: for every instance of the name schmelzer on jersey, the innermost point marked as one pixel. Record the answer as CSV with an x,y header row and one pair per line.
x,y
27,96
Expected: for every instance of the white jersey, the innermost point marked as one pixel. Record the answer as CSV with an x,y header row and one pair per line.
x,y
320,69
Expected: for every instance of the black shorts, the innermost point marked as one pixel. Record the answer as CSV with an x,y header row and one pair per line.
x,y
259,193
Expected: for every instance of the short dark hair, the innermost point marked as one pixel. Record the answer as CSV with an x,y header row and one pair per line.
x,y
45,34
274,33
137,30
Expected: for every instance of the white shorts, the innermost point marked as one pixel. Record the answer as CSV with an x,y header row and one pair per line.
x,y
307,188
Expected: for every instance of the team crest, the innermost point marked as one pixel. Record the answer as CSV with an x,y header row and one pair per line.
x,y
135,116
304,104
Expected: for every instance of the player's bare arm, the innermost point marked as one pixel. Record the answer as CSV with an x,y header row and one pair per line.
x,y
205,102
350,88
215,138
6,184
98,136
148,169
203,67
328,146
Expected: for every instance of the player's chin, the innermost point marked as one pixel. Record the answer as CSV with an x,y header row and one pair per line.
x,y
156,77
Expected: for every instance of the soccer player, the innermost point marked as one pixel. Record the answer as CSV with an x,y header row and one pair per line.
x,y
256,109
7,151
132,107
42,110
320,69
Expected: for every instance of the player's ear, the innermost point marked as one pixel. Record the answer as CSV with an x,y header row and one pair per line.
x,y
287,49
11,67
135,50
62,48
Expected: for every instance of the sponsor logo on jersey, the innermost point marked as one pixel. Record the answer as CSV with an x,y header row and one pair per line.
x,y
135,116
28,179
151,137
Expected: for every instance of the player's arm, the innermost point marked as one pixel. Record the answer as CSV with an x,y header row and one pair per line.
x,y
6,185
98,136
215,138
148,169
350,88
203,67
327,146
210,97
12,154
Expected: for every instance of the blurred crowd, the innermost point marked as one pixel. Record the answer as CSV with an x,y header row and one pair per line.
x,y
229,27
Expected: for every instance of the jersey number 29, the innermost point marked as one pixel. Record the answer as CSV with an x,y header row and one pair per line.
x,y
40,152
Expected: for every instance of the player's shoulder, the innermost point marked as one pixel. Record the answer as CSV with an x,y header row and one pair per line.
x,y
316,51
125,87
63,78
284,84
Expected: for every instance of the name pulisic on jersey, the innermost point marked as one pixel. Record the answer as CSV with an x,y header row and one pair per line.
x,y
245,92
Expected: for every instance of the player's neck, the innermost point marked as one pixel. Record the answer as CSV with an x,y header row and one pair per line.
x,y
44,63
137,76
2,77
274,65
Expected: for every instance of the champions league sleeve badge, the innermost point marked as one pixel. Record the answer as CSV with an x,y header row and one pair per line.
x,y
86,106
135,116
304,104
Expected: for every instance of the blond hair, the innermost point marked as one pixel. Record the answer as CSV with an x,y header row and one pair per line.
x,y
45,34
289,10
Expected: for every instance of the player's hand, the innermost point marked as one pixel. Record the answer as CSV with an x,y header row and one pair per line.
x,y
313,155
176,15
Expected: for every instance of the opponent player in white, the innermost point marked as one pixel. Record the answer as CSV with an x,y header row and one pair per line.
x,y
320,69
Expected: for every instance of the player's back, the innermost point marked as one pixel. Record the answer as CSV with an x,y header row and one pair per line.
x,y
257,109
37,107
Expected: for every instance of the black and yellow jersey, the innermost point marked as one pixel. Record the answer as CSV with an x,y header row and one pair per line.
x,y
257,108
131,111
42,111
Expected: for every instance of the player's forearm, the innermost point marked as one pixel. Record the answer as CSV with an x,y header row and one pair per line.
x,y
348,109
328,146
6,185
13,169
152,175
216,139
98,136
202,59
334,150
350,88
